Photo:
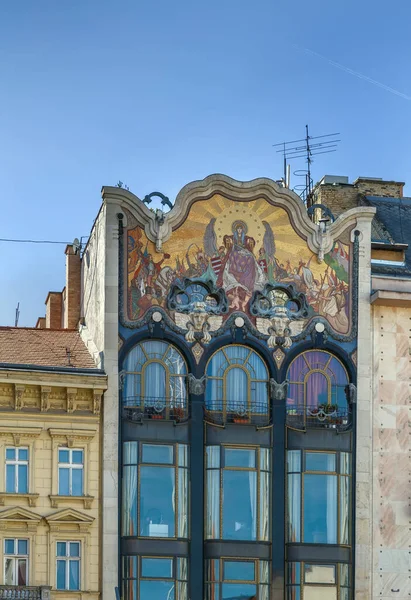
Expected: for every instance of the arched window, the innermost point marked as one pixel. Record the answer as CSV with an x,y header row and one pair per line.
x,y
237,382
155,376
317,389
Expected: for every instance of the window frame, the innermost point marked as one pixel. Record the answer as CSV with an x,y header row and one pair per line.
x,y
16,557
339,474
224,401
16,463
71,466
221,581
301,583
257,469
177,467
300,384
67,560
141,400
174,577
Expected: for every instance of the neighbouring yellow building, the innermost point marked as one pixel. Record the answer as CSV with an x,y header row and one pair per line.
x,y
50,406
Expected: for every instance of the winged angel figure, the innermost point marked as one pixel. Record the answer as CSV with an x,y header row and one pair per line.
x,y
198,321
280,329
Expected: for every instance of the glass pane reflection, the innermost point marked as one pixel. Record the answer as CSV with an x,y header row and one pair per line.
x,y
320,509
157,590
239,570
237,591
239,505
238,457
157,493
320,461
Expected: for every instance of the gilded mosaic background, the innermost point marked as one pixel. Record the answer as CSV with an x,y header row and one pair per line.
x,y
241,246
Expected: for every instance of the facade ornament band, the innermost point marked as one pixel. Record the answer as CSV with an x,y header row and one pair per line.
x,y
18,396
45,396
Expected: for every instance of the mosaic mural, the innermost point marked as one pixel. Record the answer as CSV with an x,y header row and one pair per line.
x,y
241,247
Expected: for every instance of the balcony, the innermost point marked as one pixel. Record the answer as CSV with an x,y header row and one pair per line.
x,y
144,408
222,413
14,592
323,417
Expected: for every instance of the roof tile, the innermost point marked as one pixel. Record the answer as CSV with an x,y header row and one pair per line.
x,y
44,347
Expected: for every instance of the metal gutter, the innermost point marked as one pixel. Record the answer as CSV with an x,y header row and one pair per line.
x,y
50,369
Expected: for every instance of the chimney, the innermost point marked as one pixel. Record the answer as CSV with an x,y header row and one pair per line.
x,y
375,186
53,310
41,323
73,287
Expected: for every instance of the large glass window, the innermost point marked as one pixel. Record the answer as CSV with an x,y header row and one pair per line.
x,y
314,581
16,559
155,379
237,493
155,490
17,465
237,382
154,578
316,390
229,579
318,497
71,468
68,566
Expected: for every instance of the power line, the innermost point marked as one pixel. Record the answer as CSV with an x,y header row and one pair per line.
x,y
33,241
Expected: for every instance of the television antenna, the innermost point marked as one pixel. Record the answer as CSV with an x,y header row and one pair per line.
x,y
305,148
16,319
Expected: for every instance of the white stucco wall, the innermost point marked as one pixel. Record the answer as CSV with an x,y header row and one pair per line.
x,y
100,333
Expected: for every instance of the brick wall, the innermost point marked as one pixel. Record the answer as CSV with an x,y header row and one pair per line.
x,y
387,189
337,197
53,310
73,288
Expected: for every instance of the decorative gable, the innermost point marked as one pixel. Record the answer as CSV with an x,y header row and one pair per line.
x,y
19,518
69,520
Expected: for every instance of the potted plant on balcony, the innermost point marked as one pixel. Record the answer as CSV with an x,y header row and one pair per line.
x,y
178,413
237,419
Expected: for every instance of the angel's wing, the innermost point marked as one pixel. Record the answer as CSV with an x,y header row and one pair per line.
x,y
215,322
263,325
181,320
268,241
296,327
210,240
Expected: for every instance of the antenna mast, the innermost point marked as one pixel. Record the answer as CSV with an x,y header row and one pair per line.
x,y
16,319
305,148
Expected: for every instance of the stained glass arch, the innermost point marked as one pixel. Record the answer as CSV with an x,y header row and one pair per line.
x,y
154,371
237,377
316,379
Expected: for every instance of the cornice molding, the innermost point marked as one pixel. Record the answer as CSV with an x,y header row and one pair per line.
x,y
18,433
158,230
72,435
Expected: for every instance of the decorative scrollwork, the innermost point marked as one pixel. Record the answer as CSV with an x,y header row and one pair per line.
x,y
281,312
198,306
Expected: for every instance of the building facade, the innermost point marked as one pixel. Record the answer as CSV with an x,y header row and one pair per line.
x,y
255,427
237,460
50,486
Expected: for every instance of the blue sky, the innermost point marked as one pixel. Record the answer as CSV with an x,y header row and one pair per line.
x,y
159,93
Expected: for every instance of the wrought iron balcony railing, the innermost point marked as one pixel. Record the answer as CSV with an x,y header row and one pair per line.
x,y
143,408
235,411
15,592
323,417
